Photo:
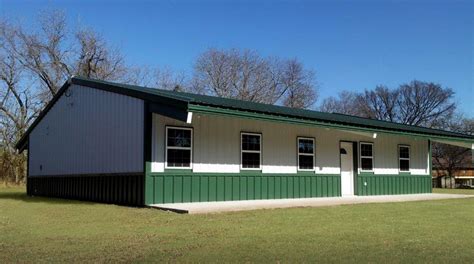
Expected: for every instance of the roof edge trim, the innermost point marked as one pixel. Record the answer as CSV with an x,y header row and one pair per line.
x,y
181,103
204,109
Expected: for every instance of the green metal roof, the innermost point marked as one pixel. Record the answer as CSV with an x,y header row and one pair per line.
x,y
189,101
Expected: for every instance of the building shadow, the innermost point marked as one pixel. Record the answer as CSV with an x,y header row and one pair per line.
x,y
23,197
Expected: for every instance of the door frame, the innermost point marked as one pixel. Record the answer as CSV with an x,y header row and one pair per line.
x,y
355,162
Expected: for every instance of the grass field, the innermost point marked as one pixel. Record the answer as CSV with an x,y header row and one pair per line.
x,y
50,230
455,191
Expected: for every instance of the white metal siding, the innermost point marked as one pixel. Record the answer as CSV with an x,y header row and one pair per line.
x,y
88,131
217,146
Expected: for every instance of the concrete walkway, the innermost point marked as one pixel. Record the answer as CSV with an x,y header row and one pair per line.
x,y
216,207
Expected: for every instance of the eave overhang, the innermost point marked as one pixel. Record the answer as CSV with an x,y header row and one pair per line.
x,y
367,131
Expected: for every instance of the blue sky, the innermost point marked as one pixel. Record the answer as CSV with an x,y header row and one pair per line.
x,y
353,45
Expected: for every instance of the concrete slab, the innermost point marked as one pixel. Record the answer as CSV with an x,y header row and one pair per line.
x,y
230,206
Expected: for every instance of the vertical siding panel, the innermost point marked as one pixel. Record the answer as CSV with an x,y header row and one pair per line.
x,y
271,187
212,188
378,185
373,185
159,189
235,188
187,189
302,186
228,188
195,188
383,185
324,185
258,187
330,189
243,187
251,188
319,186
406,185
419,184
313,187
178,189
410,183
296,186
220,188
265,187
168,189
204,189
308,186
278,187
291,190
284,186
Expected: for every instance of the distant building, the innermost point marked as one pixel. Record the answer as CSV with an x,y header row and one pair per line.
x,y
463,176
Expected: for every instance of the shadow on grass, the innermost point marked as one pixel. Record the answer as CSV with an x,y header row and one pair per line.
x,y
22,197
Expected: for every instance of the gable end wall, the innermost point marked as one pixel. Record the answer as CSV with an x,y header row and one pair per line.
x,y
88,131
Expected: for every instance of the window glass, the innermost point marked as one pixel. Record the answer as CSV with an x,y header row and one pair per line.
x,y
251,160
366,156
366,150
404,158
305,153
306,162
366,164
178,147
250,151
179,137
179,158
306,146
404,152
404,165
250,142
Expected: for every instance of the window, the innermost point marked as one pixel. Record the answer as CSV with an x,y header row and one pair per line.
x,y
404,158
367,156
250,151
179,142
305,154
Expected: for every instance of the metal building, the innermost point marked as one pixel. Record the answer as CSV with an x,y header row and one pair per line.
x,y
116,143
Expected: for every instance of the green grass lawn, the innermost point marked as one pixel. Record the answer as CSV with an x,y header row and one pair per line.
x,y
34,229
454,191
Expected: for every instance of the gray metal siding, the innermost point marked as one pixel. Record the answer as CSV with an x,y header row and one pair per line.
x,y
89,131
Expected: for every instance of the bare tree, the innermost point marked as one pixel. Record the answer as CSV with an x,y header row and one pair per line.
x,y
18,106
42,53
344,103
169,80
245,75
380,103
33,66
96,59
298,85
52,53
417,103
421,103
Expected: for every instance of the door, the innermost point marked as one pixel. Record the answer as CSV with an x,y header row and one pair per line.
x,y
347,168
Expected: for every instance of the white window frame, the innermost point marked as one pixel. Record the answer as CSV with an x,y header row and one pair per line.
x,y
184,148
400,158
305,154
251,151
366,157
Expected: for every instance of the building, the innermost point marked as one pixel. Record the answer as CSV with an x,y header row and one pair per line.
x,y
462,175
123,144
